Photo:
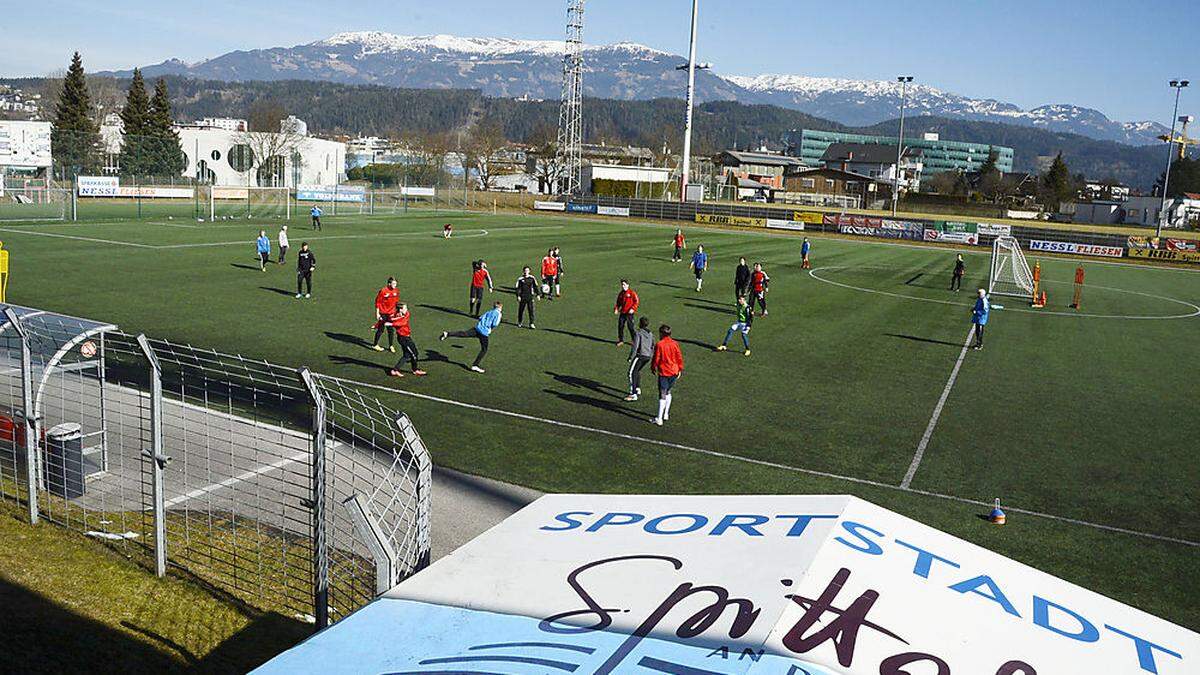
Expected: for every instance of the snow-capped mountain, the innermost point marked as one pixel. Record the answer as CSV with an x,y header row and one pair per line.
x,y
867,102
533,68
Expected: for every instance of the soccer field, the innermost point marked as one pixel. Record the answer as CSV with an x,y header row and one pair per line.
x,y
1082,422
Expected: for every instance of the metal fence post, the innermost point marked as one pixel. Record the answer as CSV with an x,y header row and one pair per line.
x,y
157,458
317,503
32,463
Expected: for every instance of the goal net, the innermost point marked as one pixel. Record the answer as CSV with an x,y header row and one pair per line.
x,y
1010,273
231,202
40,203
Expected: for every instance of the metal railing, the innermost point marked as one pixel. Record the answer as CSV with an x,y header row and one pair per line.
x,y
292,491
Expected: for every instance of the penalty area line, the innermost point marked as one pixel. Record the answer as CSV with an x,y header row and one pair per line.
x,y
937,413
762,462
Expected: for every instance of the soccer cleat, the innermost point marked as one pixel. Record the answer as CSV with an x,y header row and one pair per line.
x,y
308,295
532,327
638,391
655,420
476,369
721,348
392,348
443,335
746,353
520,325
395,373
631,397
375,347
298,296
419,373
620,343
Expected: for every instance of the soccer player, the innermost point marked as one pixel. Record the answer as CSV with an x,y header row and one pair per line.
x,y
549,273
759,285
479,277
263,246
283,243
447,230
1078,287
640,354
680,244
956,278
625,308
668,365
315,212
745,317
698,265
527,290
805,247
979,317
482,332
385,309
741,279
408,348
558,275
306,262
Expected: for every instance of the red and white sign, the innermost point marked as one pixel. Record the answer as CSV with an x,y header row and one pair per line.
x,y
971,238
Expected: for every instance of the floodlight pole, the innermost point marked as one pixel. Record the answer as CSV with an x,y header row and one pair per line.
x,y
903,80
691,97
1178,85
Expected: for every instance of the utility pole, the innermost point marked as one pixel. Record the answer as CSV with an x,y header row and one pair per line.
x,y
1178,85
903,80
691,97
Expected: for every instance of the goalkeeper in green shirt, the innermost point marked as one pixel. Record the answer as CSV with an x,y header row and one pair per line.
x,y
745,316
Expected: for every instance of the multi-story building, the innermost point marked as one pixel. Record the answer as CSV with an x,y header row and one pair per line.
x,y
24,147
877,161
937,155
764,168
226,123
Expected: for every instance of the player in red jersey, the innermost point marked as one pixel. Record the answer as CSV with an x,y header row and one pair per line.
x,y
408,348
759,285
447,230
550,271
385,307
680,244
625,308
668,365
479,278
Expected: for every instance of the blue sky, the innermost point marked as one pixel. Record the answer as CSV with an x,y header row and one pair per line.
x,y
1112,56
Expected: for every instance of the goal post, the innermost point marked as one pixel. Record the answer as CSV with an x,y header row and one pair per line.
x,y
1010,274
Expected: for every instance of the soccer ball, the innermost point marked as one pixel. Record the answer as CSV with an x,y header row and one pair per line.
x,y
170,217
546,289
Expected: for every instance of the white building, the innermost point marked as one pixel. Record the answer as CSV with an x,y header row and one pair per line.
x,y
1145,211
226,123
219,156
293,125
24,147
645,176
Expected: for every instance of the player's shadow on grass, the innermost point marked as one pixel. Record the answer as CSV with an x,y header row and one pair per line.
x,y
695,343
603,404
931,341
280,291
348,339
582,336
662,284
351,361
448,310
722,309
697,298
585,383
435,356
252,268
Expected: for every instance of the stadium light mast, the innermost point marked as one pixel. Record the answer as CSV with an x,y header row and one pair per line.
x,y
903,80
1178,85
691,68
570,114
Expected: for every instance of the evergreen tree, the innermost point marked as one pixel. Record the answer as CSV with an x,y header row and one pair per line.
x,y
991,179
1057,184
137,143
167,159
74,137
1185,177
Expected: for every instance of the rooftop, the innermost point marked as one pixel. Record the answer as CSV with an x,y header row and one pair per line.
x,y
871,153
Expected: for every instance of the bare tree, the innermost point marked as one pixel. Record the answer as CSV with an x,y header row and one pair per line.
x,y
267,145
482,150
546,167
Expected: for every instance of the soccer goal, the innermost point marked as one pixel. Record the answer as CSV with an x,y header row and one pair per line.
x,y
39,203
1010,273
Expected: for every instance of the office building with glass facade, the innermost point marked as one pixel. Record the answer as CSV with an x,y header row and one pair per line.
x,y
937,155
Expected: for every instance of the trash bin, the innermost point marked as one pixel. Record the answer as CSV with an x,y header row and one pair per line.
x,y
64,460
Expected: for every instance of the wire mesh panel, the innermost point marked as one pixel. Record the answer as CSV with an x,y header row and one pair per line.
x,y
206,460
376,462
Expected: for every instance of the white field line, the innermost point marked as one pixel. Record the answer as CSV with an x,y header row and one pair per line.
x,y
247,242
241,477
765,463
937,412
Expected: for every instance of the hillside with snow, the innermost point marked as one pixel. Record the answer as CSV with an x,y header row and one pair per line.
x,y
502,67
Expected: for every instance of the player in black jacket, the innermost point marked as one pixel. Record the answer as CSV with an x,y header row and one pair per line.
x,y
741,279
527,290
306,262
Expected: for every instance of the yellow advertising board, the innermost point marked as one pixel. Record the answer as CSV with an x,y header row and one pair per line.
x,y
1174,256
813,217
718,219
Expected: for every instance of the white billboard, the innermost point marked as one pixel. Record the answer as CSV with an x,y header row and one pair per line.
x,y
760,585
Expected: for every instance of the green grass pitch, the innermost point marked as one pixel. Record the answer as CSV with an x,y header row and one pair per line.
x,y
1086,415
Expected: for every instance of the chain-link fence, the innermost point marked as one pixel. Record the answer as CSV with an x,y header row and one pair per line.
x,y
290,490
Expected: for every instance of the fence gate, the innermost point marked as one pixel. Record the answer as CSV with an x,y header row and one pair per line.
x,y
292,491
